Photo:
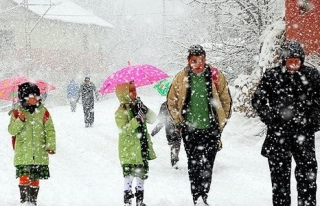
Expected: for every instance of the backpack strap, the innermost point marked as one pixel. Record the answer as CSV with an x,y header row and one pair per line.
x,y
214,72
45,116
15,113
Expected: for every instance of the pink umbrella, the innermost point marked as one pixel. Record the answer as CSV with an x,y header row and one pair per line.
x,y
142,75
9,87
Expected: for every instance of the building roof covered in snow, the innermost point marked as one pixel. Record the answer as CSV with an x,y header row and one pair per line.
x,y
63,10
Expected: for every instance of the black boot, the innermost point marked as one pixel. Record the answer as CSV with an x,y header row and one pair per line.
x,y
24,193
127,197
205,197
33,193
139,198
174,153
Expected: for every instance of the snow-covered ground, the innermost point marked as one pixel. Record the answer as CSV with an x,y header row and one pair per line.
x,y
86,170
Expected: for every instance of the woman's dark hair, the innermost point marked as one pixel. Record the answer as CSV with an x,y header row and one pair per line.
x,y
27,88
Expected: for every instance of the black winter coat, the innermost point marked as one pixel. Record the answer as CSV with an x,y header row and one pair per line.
x,y
165,120
288,103
87,92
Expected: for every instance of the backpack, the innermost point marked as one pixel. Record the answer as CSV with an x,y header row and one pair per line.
x,y
214,76
15,113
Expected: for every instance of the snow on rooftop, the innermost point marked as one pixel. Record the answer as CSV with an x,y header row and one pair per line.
x,y
64,10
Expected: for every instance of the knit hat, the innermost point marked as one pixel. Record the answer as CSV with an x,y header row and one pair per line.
x,y
26,89
292,49
196,50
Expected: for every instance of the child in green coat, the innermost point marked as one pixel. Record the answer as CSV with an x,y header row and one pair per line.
x,y
33,139
135,146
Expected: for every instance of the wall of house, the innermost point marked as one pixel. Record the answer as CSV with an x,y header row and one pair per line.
x,y
302,23
79,41
8,38
65,51
65,45
59,50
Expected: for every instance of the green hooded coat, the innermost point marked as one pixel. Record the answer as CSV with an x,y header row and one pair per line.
x,y
33,137
129,138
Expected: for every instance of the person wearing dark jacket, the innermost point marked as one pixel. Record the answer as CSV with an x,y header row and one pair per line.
x,y
287,101
87,91
199,103
173,137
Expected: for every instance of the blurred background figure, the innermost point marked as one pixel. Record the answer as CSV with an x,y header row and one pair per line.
x,y
72,94
87,91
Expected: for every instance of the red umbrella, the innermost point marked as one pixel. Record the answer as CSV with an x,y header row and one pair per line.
x,y
9,87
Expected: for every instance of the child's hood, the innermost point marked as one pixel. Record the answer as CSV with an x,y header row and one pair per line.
x,y
122,92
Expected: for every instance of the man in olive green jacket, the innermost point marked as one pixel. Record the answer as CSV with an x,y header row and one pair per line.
x,y
199,102
135,145
34,134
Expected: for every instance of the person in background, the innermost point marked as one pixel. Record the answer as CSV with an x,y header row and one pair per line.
x,y
33,139
72,94
135,145
87,91
43,97
199,103
173,137
287,100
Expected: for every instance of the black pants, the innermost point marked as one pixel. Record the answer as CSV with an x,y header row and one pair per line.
x,y
88,110
305,173
201,149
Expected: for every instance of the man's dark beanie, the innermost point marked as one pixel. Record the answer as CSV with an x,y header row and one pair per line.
x,y
196,50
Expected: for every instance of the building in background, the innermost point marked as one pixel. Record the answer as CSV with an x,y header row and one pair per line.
x,y
52,40
302,23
